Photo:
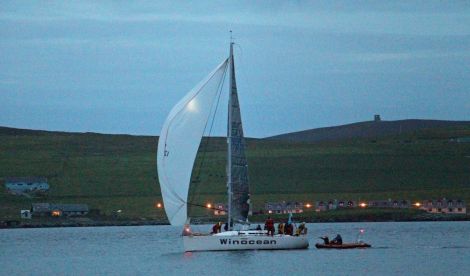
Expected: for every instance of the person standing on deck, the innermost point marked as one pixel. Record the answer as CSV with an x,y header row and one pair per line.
x,y
269,225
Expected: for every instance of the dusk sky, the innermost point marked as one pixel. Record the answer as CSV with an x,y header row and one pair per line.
x,y
120,66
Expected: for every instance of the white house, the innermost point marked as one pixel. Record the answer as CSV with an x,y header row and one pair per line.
x,y
284,207
26,185
445,206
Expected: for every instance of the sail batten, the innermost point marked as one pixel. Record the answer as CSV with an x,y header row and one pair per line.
x,y
179,142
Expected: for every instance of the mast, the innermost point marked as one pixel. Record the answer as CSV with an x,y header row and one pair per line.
x,y
229,137
237,165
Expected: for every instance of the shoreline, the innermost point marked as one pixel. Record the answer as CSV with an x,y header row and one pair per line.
x,y
17,224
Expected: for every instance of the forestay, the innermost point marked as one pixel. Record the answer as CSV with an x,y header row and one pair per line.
x,y
179,142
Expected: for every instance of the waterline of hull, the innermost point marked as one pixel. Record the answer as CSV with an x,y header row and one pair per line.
x,y
244,242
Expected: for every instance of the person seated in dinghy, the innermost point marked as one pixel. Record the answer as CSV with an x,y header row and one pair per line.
x,y
216,228
337,240
325,239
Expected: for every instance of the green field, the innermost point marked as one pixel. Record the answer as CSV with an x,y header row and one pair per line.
x,y
118,172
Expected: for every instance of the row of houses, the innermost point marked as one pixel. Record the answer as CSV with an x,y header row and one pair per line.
x,y
283,207
55,210
444,206
336,204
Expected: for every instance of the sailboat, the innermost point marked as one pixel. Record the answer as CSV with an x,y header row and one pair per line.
x,y
177,148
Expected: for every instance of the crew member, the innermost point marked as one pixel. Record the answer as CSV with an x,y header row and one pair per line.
x,y
289,229
269,225
301,230
216,228
280,228
337,240
325,239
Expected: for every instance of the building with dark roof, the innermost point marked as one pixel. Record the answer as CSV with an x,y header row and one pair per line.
x,y
220,209
402,203
26,185
444,206
59,210
284,207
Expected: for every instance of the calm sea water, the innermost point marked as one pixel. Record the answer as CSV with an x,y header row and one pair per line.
x,y
411,248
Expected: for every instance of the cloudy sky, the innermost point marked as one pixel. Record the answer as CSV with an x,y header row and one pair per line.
x,y
120,66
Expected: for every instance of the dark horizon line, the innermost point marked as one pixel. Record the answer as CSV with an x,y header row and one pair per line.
x,y
266,137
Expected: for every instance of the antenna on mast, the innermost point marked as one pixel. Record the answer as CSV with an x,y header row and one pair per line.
x,y
231,38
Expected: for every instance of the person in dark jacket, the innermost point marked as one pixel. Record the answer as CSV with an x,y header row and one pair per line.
x,y
337,240
216,228
325,239
289,229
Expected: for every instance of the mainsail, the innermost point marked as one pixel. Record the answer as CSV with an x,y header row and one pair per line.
x,y
179,142
238,189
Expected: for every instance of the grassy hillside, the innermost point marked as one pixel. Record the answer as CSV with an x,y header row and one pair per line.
x,y
117,172
369,129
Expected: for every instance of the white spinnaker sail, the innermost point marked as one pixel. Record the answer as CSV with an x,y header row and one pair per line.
x,y
179,142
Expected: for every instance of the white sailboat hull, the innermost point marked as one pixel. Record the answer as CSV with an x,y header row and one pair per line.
x,y
234,240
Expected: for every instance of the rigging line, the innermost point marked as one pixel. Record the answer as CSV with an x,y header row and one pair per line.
x,y
211,125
